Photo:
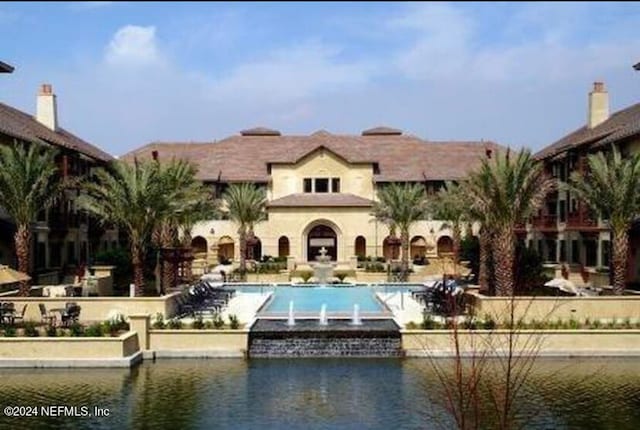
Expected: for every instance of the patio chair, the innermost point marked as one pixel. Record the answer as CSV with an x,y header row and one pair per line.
x,y
19,316
71,314
45,316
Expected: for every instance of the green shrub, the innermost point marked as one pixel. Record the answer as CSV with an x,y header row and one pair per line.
x,y
306,276
9,331
573,324
470,324
612,323
595,324
198,324
488,323
411,325
30,329
94,330
234,323
208,325
115,324
159,321
428,323
627,323
76,330
218,322
174,324
52,331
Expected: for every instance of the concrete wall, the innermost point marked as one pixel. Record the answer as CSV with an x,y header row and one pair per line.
x,y
558,342
553,308
99,308
268,277
46,348
232,342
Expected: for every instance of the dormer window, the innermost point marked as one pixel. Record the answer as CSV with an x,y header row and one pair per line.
x,y
321,185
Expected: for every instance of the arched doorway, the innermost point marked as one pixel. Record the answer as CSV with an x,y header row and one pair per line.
x,y
361,246
322,236
418,248
391,248
283,246
445,245
225,249
199,245
254,249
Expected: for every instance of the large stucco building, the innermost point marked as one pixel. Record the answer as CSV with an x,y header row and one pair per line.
x,y
320,188
62,236
566,230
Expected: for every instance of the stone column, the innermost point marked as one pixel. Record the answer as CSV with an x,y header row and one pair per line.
x,y
140,324
353,262
291,263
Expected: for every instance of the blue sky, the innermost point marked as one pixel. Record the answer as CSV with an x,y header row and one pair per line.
x,y
130,73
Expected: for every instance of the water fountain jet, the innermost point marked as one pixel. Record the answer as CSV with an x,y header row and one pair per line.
x,y
356,320
323,315
291,321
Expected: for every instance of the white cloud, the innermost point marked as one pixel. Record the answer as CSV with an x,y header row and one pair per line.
x,y
133,46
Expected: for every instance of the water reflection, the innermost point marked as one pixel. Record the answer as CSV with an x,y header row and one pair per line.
x,y
310,394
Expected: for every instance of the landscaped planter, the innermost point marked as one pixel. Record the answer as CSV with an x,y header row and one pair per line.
x,y
550,342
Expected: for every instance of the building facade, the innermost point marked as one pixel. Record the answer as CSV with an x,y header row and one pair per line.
x,y
62,235
566,230
320,189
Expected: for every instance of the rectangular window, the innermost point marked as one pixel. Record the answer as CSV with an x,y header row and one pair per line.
x,y
591,250
606,253
322,185
55,254
41,255
575,253
563,251
335,185
71,252
551,250
563,210
307,185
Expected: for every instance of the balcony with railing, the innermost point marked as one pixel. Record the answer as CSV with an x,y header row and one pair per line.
x,y
545,222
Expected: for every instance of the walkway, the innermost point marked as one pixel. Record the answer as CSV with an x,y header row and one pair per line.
x,y
405,309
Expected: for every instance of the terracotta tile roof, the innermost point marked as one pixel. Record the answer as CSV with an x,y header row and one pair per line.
x,y
621,125
399,157
21,125
321,200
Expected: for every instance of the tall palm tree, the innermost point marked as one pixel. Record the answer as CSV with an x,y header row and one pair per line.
x,y
401,206
450,205
29,183
186,199
507,190
611,186
246,206
132,197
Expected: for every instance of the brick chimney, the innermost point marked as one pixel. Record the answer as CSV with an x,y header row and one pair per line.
x,y
47,109
598,105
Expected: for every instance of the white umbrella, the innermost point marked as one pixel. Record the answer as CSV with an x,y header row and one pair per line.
x,y
563,285
10,276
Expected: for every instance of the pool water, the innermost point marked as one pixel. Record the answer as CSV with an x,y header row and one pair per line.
x,y
311,299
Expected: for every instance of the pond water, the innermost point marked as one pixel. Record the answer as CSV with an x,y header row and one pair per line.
x,y
310,394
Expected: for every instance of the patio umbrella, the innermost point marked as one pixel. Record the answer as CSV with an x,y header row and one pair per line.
x,y
563,285
10,276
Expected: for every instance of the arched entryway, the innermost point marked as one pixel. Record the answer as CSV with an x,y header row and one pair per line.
x,y
199,245
225,249
445,245
283,246
391,248
254,249
418,247
361,246
322,236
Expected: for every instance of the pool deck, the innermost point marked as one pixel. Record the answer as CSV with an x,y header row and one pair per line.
x,y
405,309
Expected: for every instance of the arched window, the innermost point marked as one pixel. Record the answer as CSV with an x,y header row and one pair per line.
x,y
283,246
199,245
361,246
445,245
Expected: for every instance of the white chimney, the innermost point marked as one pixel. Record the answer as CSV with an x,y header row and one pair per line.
x,y
46,109
598,105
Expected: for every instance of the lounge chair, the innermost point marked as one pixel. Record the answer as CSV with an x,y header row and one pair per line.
x,y
45,316
19,316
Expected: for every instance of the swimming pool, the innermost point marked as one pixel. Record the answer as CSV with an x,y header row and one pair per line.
x,y
311,299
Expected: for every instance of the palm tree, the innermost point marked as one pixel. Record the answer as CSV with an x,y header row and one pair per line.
x,y
132,197
246,205
28,184
186,201
611,187
507,190
450,204
401,206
